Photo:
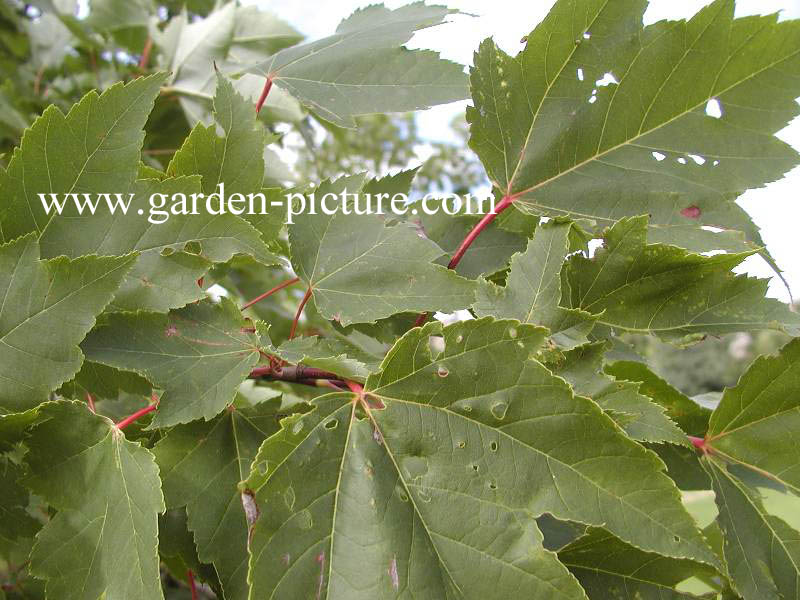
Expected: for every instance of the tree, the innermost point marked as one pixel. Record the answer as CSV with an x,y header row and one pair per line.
x,y
214,403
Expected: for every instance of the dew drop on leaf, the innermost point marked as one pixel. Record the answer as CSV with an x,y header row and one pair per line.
x,y
493,446
442,371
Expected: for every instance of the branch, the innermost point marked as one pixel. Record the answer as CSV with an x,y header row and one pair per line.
x,y
277,288
298,374
299,312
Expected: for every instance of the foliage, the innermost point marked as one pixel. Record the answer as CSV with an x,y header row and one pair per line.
x,y
228,406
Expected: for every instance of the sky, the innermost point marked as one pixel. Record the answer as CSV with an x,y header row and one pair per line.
x,y
775,208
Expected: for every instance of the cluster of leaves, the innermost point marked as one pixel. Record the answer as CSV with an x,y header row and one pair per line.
x,y
147,426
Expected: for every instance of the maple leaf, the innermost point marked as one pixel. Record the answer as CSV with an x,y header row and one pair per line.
x,y
665,290
102,543
363,68
198,354
201,466
601,118
361,270
47,308
92,149
464,449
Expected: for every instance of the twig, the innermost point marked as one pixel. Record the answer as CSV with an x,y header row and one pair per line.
x,y
471,237
137,415
476,231
37,83
264,94
145,57
192,587
299,374
267,294
299,312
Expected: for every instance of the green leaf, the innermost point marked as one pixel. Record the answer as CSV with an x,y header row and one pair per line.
x,y
104,382
189,50
164,276
689,415
438,488
610,568
15,523
226,38
667,291
532,293
93,149
624,401
14,426
600,118
47,308
178,551
103,543
762,552
126,20
201,466
258,32
756,422
159,283
363,68
236,161
49,40
360,270
198,354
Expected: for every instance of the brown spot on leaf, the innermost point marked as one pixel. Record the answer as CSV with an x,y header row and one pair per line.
x,y
691,212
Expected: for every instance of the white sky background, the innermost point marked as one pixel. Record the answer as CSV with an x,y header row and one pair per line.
x,y
775,209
